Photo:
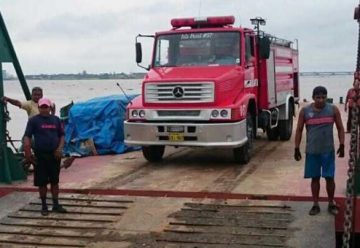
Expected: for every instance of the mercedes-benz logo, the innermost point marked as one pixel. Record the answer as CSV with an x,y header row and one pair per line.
x,y
178,92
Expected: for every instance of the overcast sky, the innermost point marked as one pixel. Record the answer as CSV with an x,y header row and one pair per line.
x,y
69,36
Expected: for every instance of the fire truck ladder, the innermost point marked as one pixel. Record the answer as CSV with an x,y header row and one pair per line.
x,y
11,167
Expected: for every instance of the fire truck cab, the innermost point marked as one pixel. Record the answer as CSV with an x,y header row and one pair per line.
x,y
211,84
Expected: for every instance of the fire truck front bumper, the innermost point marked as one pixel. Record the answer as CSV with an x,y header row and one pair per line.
x,y
186,134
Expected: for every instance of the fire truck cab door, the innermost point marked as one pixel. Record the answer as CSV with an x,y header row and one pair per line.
x,y
250,75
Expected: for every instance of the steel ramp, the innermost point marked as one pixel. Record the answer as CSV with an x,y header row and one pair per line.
x,y
129,221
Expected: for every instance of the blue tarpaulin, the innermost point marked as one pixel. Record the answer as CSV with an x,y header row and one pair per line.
x,y
100,120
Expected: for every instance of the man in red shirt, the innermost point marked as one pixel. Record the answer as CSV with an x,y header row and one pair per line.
x,y
349,101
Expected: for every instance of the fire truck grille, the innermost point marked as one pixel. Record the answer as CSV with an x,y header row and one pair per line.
x,y
202,92
168,113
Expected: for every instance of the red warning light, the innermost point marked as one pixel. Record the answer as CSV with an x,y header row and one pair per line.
x,y
215,21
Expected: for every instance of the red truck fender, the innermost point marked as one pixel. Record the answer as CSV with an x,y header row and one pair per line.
x,y
247,103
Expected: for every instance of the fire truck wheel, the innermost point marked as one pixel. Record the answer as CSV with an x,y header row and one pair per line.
x,y
242,154
153,153
286,126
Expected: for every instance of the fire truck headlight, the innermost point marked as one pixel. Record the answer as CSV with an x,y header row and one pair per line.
x,y
134,113
224,113
214,113
142,113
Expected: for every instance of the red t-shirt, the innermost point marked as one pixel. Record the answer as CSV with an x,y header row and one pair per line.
x,y
350,96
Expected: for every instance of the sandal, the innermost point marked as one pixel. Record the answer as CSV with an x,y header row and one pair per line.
x,y
59,209
44,212
314,210
333,209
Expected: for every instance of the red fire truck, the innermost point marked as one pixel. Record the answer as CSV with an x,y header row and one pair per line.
x,y
211,84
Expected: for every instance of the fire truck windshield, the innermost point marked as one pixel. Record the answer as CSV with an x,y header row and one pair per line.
x,y
197,49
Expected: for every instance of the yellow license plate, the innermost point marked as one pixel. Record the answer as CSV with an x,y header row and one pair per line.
x,y
176,137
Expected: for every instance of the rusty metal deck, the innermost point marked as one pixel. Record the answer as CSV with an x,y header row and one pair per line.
x,y
162,202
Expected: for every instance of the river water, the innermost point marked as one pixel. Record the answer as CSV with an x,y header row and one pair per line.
x,y
62,92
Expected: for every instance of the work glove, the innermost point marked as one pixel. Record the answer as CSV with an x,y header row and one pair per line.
x,y
297,154
341,151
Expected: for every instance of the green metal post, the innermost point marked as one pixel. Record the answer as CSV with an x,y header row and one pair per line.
x,y
5,175
14,59
10,163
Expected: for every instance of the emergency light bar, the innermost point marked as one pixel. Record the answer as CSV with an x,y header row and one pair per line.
x,y
215,21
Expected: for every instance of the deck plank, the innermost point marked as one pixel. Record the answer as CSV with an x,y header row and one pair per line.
x,y
48,223
39,241
68,216
64,233
79,210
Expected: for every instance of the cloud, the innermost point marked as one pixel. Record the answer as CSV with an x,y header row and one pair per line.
x,y
69,26
98,36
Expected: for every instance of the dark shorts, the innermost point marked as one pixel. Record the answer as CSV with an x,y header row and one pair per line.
x,y
320,165
47,169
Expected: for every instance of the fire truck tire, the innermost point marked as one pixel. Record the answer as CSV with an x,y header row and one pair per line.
x,y
286,126
242,154
153,153
272,133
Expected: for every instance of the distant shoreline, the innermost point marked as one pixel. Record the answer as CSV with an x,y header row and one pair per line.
x,y
140,75
80,76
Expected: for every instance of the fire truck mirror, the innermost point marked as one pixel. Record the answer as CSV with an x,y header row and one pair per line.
x,y
264,44
138,52
357,14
